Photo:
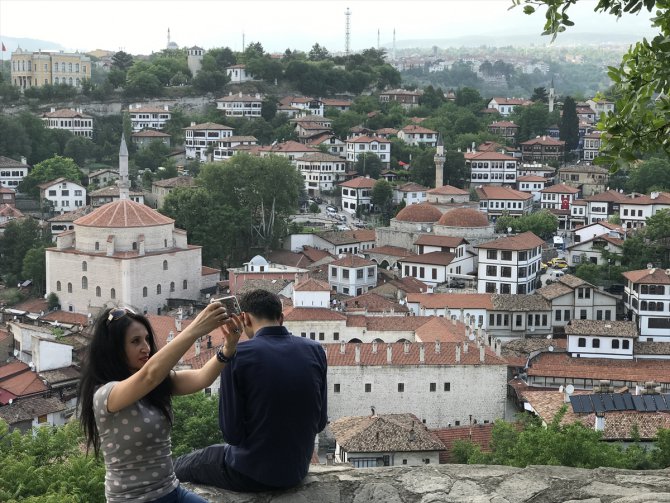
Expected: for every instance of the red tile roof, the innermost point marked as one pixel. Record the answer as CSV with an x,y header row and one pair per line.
x,y
360,182
432,258
368,139
393,251
492,156
414,129
464,217
373,303
206,271
312,314
560,189
312,285
123,213
491,192
524,241
208,125
531,178
608,196
479,434
352,261
408,353
422,212
150,133
648,276
441,329
66,317
32,306
544,140
452,300
434,240
66,113
448,190
562,365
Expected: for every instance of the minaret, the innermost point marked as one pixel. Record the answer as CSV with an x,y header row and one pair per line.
x,y
551,96
347,32
393,54
168,44
377,38
439,162
124,182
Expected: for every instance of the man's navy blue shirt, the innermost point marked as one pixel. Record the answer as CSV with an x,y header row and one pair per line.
x,y
272,404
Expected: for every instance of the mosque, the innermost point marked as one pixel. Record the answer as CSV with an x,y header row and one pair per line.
x,y
125,254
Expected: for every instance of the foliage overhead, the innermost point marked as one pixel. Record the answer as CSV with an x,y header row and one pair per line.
x,y
640,123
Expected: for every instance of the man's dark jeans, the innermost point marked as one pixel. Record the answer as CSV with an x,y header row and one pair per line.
x,y
208,467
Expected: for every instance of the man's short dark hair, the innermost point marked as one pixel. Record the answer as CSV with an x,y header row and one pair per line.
x,y
261,304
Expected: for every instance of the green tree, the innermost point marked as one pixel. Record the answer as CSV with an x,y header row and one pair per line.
x,y
19,238
368,164
122,61
318,53
541,223
195,422
382,197
639,124
468,96
532,120
53,300
540,94
79,149
35,269
48,170
569,126
423,167
650,174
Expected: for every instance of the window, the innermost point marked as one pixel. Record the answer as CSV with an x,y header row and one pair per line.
x,y
84,283
566,315
158,289
97,246
433,386
172,286
506,255
492,254
447,386
312,335
184,285
321,336
506,272
165,265
336,336
303,334
359,273
112,293
368,387
599,314
58,286
490,288
615,343
333,272
145,292
371,272
345,273
625,344
595,343
581,342
491,270
84,266
401,387
336,387
69,288
582,314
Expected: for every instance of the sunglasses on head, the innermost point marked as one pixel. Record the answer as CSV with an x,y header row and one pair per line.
x,y
116,314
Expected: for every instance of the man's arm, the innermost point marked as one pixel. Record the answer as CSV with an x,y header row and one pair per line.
x,y
323,420
231,409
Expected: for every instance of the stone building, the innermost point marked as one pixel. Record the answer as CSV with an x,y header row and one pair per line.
x,y
123,253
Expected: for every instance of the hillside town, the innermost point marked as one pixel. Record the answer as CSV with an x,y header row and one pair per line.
x,y
462,258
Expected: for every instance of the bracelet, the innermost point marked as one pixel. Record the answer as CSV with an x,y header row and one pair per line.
x,y
223,358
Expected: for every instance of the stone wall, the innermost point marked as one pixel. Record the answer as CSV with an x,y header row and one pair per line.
x,y
464,483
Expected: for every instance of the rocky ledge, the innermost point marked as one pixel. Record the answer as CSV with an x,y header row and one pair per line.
x,y
463,483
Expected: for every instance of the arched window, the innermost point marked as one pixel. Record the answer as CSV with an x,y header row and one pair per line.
x,y
165,243
134,245
84,283
165,265
112,293
98,291
97,246
84,266
70,80
172,286
158,289
58,286
185,285
69,288
145,291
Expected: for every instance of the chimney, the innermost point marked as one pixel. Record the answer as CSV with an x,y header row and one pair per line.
x,y
343,346
24,160
482,353
192,123
437,347
498,346
209,342
389,353
357,357
240,94
374,347
170,336
165,107
177,324
422,354
405,347
465,348
197,347
53,109
458,354
600,421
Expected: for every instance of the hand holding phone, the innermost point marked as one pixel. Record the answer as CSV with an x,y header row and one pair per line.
x,y
231,305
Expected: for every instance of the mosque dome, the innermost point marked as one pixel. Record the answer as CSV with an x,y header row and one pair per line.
x,y
422,212
122,214
464,217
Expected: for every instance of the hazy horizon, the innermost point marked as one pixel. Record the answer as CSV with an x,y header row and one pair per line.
x,y
140,26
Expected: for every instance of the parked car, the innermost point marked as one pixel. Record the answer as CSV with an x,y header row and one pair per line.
x,y
457,283
331,208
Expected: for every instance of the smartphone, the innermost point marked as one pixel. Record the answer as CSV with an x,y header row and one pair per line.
x,y
230,303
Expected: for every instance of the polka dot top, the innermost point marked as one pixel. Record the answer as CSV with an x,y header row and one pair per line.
x,y
135,443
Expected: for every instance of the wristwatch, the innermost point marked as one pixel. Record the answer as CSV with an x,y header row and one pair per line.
x,y
223,358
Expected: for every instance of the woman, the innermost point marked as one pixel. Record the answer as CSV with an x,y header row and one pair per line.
x,y
125,398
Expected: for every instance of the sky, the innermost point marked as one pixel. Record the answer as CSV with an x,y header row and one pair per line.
x,y
140,26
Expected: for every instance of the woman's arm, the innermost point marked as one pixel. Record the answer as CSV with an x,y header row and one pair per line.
x,y
185,382
136,386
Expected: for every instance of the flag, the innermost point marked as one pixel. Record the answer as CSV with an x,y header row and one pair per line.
x,y
3,48
402,163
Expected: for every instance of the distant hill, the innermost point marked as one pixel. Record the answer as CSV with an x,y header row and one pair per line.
x,y
29,44
520,39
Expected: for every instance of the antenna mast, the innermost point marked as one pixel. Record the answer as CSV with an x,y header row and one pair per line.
x,y
347,32
377,38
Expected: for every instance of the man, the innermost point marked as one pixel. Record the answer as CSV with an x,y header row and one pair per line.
x,y
272,403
